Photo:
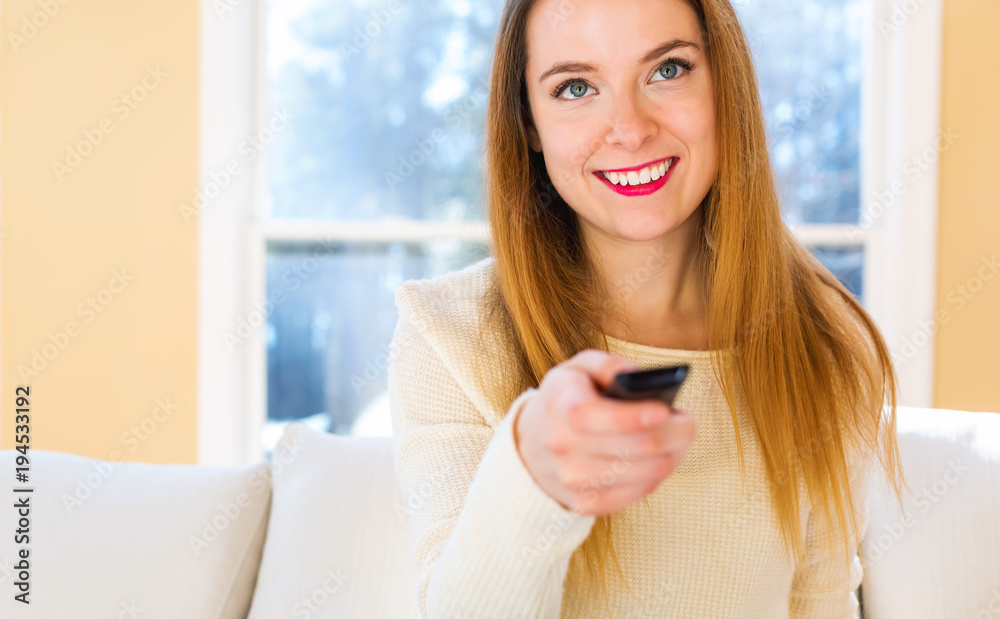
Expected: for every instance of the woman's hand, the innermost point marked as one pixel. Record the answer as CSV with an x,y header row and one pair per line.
x,y
593,454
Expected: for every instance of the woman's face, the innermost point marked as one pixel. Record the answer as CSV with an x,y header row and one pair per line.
x,y
622,102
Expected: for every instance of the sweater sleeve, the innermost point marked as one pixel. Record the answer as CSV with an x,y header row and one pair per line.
x,y
821,589
489,541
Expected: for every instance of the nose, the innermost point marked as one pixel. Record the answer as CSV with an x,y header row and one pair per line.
x,y
630,120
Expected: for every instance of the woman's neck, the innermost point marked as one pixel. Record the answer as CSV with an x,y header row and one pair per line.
x,y
656,288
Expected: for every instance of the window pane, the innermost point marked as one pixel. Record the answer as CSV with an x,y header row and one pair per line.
x,y
388,108
331,323
807,54
328,331
847,264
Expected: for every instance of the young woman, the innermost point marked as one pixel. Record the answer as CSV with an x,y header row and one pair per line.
x,y
635,224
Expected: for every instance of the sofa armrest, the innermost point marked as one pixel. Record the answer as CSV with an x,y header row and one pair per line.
x,y
940,557
160,540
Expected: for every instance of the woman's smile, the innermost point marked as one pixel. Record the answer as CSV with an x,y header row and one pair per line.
x,y
640,182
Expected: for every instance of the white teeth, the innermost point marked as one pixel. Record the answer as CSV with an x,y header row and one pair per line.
x,y
640,177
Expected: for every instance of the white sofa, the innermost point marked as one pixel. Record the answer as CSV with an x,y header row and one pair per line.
x,y
321,531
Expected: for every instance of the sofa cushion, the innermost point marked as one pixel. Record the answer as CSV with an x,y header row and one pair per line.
x,y
941,556
120,539
339,543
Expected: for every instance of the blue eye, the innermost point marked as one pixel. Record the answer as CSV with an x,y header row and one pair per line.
x,y
578,87
674,62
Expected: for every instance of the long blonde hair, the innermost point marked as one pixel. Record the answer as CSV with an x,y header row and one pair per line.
x,y
807,360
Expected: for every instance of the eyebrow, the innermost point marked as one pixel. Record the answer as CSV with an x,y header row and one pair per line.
x,y
584,67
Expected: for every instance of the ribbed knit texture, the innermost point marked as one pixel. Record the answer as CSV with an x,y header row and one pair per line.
x,y
491,543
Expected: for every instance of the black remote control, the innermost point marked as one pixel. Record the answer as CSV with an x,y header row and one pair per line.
x,y
656,384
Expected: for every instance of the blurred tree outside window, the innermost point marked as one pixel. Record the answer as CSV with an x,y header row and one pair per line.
x,y
389,103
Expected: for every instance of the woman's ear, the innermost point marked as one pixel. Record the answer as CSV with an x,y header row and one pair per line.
x,y
533,140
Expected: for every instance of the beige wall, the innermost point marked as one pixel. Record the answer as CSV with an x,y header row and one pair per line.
x,y
67,234
968,344
63,241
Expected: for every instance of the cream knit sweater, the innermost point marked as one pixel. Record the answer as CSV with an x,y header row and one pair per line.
x,y
490,542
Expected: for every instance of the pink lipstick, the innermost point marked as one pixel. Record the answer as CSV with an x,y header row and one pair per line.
x,y
643,188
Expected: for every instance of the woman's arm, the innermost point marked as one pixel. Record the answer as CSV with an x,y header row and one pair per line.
x,y
820,588
489,541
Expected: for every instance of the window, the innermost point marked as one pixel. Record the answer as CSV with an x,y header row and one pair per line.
x,y
388,110
364,151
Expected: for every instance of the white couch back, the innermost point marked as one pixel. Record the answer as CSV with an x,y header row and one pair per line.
x,y
338,543
943,561
940,558
128,539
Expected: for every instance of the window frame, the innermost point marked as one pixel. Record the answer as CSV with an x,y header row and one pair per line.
x,y
900,117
